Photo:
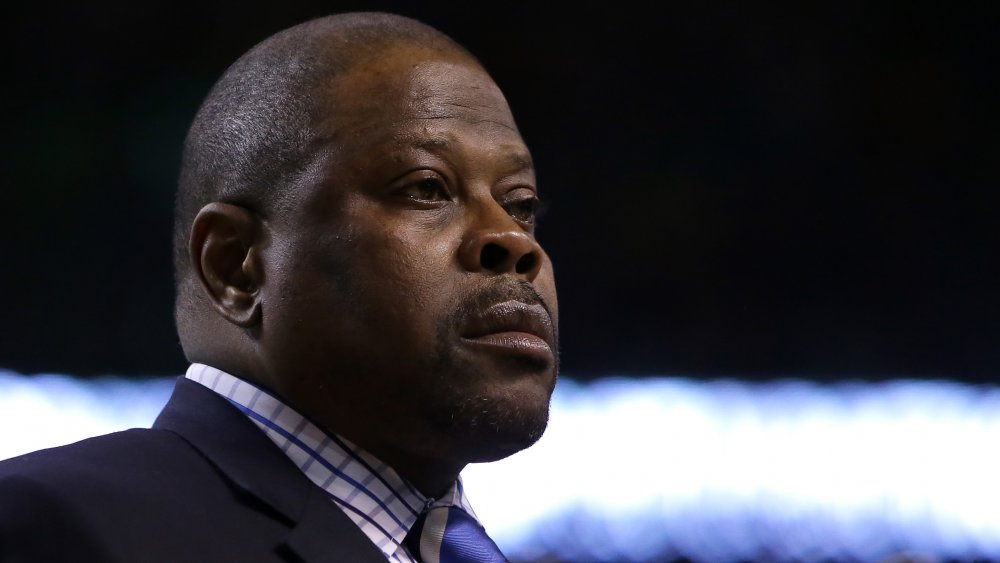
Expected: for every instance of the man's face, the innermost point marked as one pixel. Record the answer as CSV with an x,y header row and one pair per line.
x,y
407,303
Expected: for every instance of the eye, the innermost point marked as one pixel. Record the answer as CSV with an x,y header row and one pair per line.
x,y
523,209
430,189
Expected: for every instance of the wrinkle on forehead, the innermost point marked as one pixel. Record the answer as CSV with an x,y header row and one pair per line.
x,y
467,120
449,90
415,92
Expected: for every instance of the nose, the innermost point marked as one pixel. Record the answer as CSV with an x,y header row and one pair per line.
x,y
502,248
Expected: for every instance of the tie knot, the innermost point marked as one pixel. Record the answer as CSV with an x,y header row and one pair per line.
x,y
449,534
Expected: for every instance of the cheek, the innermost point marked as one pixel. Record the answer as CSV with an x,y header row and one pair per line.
x,y
411,274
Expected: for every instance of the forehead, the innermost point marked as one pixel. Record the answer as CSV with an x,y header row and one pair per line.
x,y
419,97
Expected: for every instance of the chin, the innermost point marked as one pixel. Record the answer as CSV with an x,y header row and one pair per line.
x,y
496,452
497,422
486,445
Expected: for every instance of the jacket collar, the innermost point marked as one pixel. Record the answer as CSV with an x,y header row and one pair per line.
x,y
319,531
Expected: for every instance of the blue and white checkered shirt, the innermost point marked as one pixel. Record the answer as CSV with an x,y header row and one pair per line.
x,y
383,504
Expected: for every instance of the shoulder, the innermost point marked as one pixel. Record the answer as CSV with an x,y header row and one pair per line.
x,y
100,473
56,504
38,524
113,459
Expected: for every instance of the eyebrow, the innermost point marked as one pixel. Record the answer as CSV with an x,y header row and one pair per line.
x,y
519,160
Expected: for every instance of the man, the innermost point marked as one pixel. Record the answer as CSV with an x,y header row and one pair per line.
x,y
365,307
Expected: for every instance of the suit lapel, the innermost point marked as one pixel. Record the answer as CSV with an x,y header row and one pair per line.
x,y
319,531
314,539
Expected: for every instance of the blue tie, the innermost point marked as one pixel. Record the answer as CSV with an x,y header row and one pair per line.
x,y
452,535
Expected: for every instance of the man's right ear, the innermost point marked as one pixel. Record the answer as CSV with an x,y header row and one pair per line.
x,y
225,254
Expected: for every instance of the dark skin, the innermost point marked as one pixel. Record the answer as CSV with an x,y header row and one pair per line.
x,y
402,301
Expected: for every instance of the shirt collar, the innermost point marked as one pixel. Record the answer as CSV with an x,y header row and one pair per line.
x,y
376,498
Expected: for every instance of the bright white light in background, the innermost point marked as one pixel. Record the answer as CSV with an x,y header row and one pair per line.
x,y
664,468
722,471
51,410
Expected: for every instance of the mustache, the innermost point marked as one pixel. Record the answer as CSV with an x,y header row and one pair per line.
x,y
499,290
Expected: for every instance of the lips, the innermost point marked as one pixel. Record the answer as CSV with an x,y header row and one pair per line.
x,y
514,327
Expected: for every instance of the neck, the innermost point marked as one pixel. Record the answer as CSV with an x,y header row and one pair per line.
x,y
417,454
432,481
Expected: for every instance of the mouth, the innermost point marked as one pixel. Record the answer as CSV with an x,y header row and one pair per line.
x,y
516,329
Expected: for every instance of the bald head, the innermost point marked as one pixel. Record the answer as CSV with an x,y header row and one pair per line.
x,y
257,132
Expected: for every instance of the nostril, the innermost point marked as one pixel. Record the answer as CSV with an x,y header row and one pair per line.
x,y
493,256
526,263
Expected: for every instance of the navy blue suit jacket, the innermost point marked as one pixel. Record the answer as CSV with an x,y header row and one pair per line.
x,y
203,485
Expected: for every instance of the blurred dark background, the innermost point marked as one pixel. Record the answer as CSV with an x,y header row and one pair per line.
x,y
735,190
